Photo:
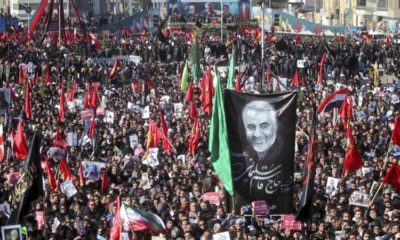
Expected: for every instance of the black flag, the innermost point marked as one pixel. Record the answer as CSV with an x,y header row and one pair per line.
x,y
30,185
281,45
261,132
305,208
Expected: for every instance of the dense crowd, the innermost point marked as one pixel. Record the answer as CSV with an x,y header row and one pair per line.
x,y
174,187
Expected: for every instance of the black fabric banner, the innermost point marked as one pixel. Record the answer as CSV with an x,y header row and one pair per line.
x,y
261,130
305,210
29,186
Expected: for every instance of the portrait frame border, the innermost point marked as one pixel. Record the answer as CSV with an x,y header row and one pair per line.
x,y
8,227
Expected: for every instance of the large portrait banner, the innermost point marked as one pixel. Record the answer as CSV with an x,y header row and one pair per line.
x,y
261,131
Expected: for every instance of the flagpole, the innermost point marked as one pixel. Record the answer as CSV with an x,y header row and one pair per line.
x,y
387,155
262,47
126,214
377,191
233,201
302,131
222,20
168,141
59,20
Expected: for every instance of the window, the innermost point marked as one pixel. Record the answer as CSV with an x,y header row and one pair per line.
x,y
23,7
382,4
361,3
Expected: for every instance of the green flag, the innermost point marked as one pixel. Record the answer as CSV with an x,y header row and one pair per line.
x,y
185,78
287,25
231,73
218,141
194,57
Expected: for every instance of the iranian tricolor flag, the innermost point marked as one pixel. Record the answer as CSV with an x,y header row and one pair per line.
x,y
334,100
138,220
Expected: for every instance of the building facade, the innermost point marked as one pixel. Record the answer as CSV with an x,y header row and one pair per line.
x,y
4,6
371,14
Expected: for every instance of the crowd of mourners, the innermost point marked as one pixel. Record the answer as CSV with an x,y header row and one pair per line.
x,y
174,187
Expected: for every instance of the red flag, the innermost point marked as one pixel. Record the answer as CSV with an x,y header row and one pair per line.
x,y
59,141
192,110
20,75
97,45
387,41
144,31
353,160
346,111
71,94
91,36
92,127
62,103
257,35
87,101
64,170
163,123
396,133
28,109
82,180
238,85
298,39
50,176
167,145
207,93
13,97
272,38
115,69
165,33
153,136
341,38
367,38
20,146
115,231
194,136
104,180
189,93
296,79
149,83
393,177
47,76
136,86
1,143
36,79
127,31
321,69
93,103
